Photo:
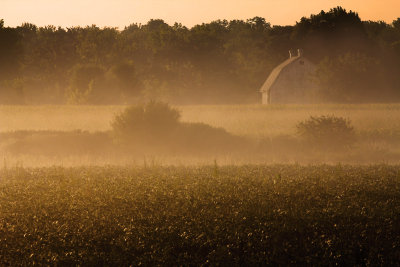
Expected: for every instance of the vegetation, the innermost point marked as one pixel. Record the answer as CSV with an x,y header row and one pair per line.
x,y
57,143
154,121
233,212
358,60
244,120
327,132
243,215
155,127
242,134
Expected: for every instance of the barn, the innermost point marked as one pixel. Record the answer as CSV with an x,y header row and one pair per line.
x,y
291,82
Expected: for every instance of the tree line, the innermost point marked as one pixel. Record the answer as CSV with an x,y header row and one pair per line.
x,y
218,62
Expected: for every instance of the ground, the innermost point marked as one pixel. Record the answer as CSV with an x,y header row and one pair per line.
x,y
269,205
272,130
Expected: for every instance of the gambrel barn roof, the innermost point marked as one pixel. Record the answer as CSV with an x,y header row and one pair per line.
x,y
292,81
276,72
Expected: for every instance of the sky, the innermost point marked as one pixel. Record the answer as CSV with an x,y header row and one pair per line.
x,y
121,13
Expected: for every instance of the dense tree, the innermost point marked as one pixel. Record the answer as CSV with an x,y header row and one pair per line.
x,y
10,60
331,33
352,78
10,51
217,62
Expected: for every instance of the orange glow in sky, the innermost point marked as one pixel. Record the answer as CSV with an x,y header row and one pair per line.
x,y
120,13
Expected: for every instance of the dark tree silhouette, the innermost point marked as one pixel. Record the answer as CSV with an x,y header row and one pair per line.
x,y
217,62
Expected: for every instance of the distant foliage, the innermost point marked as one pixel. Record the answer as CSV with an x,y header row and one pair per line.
x,y
327,132
123,76
352,78
189,65
11,92
91,84
155,127
200,138
152,121
81,87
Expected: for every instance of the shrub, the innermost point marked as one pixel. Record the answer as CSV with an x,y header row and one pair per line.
x,y
327,132
149,123
200,138
155,128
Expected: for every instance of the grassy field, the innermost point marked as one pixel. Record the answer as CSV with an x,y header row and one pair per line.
x,y
245,120
173,209
235,215
272,129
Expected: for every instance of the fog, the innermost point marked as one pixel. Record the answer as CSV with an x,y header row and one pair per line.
x,y
227,143
64,90
228,135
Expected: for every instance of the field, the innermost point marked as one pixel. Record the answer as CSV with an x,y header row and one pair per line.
x,y
272,130
251,120
68,197
240,215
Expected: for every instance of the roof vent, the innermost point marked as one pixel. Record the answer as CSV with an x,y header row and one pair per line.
x,y
299,52
290,53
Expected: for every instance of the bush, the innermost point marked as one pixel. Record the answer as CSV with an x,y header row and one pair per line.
x,y
200,139
327,132
155,128
146,124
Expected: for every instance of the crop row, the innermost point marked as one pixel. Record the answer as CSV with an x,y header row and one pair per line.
x,y
240,215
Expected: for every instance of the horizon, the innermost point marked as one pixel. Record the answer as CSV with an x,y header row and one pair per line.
x,y
122,13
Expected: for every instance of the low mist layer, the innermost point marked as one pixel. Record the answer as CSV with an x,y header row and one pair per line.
x,y
157,133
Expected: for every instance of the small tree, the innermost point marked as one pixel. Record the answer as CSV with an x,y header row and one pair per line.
x,y
149,124
327,132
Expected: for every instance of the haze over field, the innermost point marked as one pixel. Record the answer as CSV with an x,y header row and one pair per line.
x,y
76,135
119,85
148,145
